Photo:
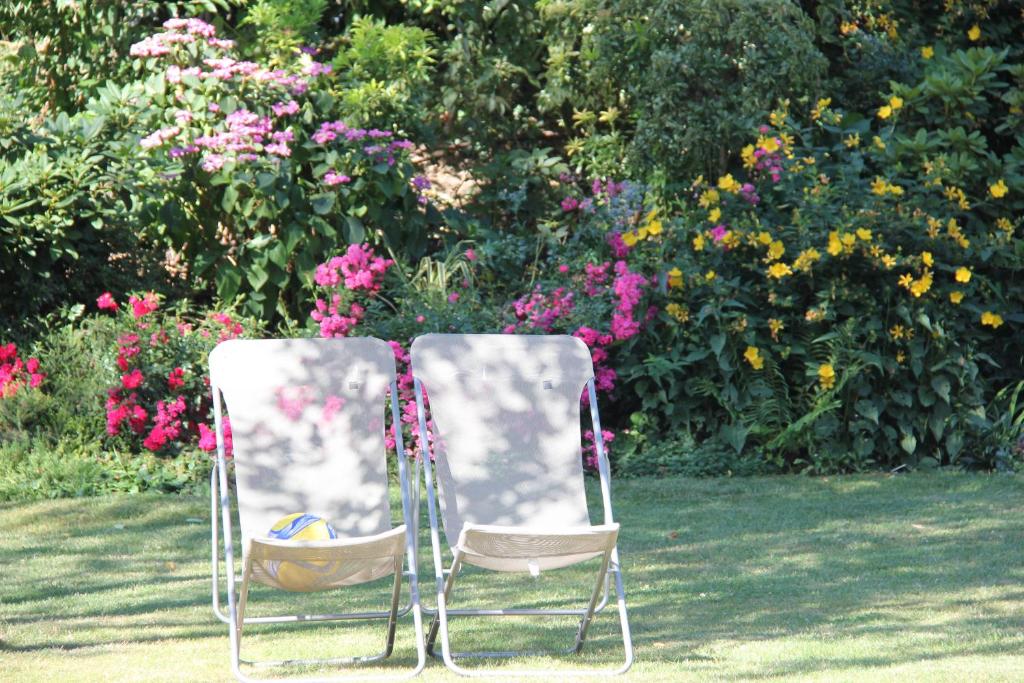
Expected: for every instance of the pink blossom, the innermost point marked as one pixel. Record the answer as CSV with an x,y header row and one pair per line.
x,y
563,268
570,204
453,297
285,108
334,178
619,248
176,379
470,254
105,302
208,437
132,380
141,307
317,69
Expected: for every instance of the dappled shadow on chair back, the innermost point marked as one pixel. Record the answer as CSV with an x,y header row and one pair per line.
x,y
307,421
506,413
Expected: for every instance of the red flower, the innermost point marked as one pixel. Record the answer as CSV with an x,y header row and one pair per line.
x,y
106,302
176,379
132,380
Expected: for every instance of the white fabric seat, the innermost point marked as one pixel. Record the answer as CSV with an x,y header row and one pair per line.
x,y
507,453
307,423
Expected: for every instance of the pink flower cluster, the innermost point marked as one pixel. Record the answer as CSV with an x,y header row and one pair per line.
x,y
628,287
208,437
358,268
407,403
596,278
539,311
333,321
604,376
590,447
17,374
620,249
167,424
134,406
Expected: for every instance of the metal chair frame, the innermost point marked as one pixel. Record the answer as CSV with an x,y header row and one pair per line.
x,y
610,567
237,601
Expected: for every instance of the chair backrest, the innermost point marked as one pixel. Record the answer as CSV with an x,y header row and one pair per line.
x,y
506,414
307,423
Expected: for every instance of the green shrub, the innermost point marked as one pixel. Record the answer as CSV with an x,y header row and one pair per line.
x,y
672,87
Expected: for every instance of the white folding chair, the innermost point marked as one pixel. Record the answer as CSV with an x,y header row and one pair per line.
x,y
506,416
307,421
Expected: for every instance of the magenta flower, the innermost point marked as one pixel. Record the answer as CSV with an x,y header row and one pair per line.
x,y
105,302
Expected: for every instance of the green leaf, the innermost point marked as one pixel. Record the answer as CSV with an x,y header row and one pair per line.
x,y
227,202
942,387
322,203
867,409
717,343
908,443
354,230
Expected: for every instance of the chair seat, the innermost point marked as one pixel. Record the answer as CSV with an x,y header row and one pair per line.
x,y
326,564
532,549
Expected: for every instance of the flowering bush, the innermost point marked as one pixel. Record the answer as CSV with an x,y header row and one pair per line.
x,y
17,374
258,177
161,401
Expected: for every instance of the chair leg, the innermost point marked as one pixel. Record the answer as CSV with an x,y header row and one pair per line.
x,y
393,618
581,633
243,599
435,623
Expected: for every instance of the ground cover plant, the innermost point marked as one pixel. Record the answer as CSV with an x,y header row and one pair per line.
x,y
860,578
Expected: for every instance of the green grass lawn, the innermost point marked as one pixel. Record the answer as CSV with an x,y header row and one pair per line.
x,y
913,577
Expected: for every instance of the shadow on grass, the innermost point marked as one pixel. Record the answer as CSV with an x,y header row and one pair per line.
x,y
930,565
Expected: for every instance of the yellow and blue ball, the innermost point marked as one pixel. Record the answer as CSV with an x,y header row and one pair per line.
x,y
302,575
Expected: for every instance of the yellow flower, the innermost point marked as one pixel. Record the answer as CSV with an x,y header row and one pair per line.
x,y
921,285
847,27
897,332
768,144
675,278
847,239
764,237
963,274
956,297
900,357
629,238
826,375
775,250
728,184
864,234
878,185
835,247
852,141
805,259
906,279
878,143
714,215
998,189
991,319
779,270
776,326
698,243
641,234
654,227
753,356
926,258
896,102
884,112
710,275
708,198
974,33
889,261
927,52
1004,224
747,154
680,313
